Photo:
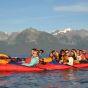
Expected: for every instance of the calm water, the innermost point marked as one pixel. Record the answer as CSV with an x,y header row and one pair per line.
x,y
48,79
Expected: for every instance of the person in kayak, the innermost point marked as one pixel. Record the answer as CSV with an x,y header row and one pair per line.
x,y
34,59
41,54
53,58
48,59
75,55
83,56
69,58
62,56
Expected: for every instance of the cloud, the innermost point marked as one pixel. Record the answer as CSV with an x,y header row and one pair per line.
x,y
72,8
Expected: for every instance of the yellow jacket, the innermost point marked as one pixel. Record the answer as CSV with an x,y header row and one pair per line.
x,y
4,61
48,59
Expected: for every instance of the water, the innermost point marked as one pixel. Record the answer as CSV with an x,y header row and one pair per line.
x,y
47,79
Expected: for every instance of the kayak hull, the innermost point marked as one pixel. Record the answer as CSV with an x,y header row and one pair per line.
x,y
17,68
38,68
55,67
63,67
83,65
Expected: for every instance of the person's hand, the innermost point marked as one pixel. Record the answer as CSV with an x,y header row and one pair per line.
x,y
41,60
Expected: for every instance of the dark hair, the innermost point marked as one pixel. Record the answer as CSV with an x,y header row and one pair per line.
x,y
41,51
35,49
60,55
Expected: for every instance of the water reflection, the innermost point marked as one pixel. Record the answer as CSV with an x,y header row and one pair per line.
x,y
2,74
72,78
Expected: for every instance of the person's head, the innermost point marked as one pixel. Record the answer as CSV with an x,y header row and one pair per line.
x,y
35,52
84,51
62,52
68,53
41,51
53,52
80,52
72,52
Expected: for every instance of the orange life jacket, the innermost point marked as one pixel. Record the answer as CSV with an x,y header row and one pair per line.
x,y
2,61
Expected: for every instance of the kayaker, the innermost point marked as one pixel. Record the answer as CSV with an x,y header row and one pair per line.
x,y
78,55
47,59
83,56
55,57
13,60
70,60
34,58
41,54
75,56
62,56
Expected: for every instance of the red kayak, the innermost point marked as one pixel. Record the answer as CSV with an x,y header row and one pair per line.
x,y
17,68
20,68
63,67
54,67
81,65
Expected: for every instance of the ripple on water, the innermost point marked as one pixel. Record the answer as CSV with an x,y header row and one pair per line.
x,y
47,79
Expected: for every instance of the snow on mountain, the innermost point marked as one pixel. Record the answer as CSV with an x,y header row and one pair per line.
x,y
62,31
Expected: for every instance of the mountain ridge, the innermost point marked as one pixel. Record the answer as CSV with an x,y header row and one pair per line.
x,y
19,43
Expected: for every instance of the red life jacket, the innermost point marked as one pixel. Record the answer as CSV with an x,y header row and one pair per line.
x,y
28,60
86,55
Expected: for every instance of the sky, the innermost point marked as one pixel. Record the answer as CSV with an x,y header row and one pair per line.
x,y
44,15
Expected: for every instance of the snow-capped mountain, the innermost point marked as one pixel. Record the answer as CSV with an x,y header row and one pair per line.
x,y
22,42
78,38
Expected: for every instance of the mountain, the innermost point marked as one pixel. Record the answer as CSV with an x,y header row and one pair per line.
x,y
3,36
61,31
11,37
34,38
72,38
19,43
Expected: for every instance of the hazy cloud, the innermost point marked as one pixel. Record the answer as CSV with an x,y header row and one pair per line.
x,y
72,8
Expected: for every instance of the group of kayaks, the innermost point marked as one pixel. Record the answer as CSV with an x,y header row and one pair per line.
x,y
8,67
39,68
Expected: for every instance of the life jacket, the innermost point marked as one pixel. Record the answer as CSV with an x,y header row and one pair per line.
x,y
86,55
83,57
2,61
28,60
48,59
